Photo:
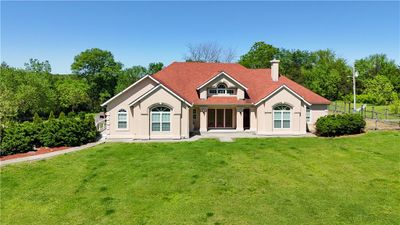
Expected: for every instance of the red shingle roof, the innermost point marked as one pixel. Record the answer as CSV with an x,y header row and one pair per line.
x,y
184,77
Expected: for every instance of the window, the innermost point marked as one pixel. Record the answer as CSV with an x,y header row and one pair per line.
x,y
282,116
194,114
122,118
308,114
160,119
212,91
221,89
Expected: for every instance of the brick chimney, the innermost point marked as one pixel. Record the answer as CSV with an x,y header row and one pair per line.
x,y
275,69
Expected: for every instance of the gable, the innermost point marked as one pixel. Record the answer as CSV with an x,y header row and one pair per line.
x,y
225,78
157,89
133,91
284,91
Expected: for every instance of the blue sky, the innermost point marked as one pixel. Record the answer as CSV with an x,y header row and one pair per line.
x,y
138,33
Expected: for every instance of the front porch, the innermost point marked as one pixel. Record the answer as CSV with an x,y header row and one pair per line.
x,y
222,119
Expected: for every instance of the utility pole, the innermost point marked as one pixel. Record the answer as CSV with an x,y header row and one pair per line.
x,y
355,74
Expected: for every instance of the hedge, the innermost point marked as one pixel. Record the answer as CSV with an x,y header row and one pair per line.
x,y
341,124
24,137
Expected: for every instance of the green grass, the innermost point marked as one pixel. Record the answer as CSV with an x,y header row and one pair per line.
x,y
380,109
348,180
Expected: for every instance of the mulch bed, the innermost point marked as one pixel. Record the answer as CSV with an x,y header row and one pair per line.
x,y
39,151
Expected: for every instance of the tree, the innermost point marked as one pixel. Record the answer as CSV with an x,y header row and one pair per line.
x,y
375,65
329,76
294,62
34,65
378,90
128,77
154,68
100,69
259,56
72,93
26,93
209,52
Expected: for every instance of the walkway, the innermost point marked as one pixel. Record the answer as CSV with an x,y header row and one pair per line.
x,y
48,155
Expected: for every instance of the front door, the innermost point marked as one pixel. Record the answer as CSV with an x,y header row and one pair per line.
x,y
220,118
246,119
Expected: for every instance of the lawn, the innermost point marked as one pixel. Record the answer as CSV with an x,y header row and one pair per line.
x,y
380,109
348,180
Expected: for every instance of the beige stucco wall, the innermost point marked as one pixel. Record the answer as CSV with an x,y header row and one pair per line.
x,y
318,111
122,102
261,117
179,116
139,113
265,114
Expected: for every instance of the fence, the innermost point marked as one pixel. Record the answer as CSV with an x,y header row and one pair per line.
x,y
377,117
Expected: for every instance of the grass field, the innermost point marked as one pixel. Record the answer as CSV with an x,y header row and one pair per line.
x,y
348,180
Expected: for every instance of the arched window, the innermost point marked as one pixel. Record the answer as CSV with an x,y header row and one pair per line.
x,y
160,119
282,116
122,118
221,88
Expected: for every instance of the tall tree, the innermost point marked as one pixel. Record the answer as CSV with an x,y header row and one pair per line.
x,y
26,93
100,69
259,56
375,65
34,65
294,62
72,93
378,90
129,76
154,68
330,76
209,52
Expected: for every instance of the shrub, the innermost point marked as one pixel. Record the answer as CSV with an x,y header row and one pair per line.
x,y
68,132
23,137
51,116
37,118
19,137
395,107
336,125
71,114
61,116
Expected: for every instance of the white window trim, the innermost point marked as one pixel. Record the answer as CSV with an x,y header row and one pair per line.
x,y
127,119
161,121
221,94
273,119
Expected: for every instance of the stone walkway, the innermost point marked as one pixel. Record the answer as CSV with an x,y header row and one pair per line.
x,y
48,155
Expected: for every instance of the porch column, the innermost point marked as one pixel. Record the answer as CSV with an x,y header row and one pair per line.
x,y
253,119
239,119
203,119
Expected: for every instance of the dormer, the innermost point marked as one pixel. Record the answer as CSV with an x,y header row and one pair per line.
x,y
222,85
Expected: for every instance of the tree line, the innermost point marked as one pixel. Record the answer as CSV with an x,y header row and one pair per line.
x,y
96,76
34,90
329,75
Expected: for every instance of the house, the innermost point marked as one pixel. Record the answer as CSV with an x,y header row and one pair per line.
x,y
188,97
